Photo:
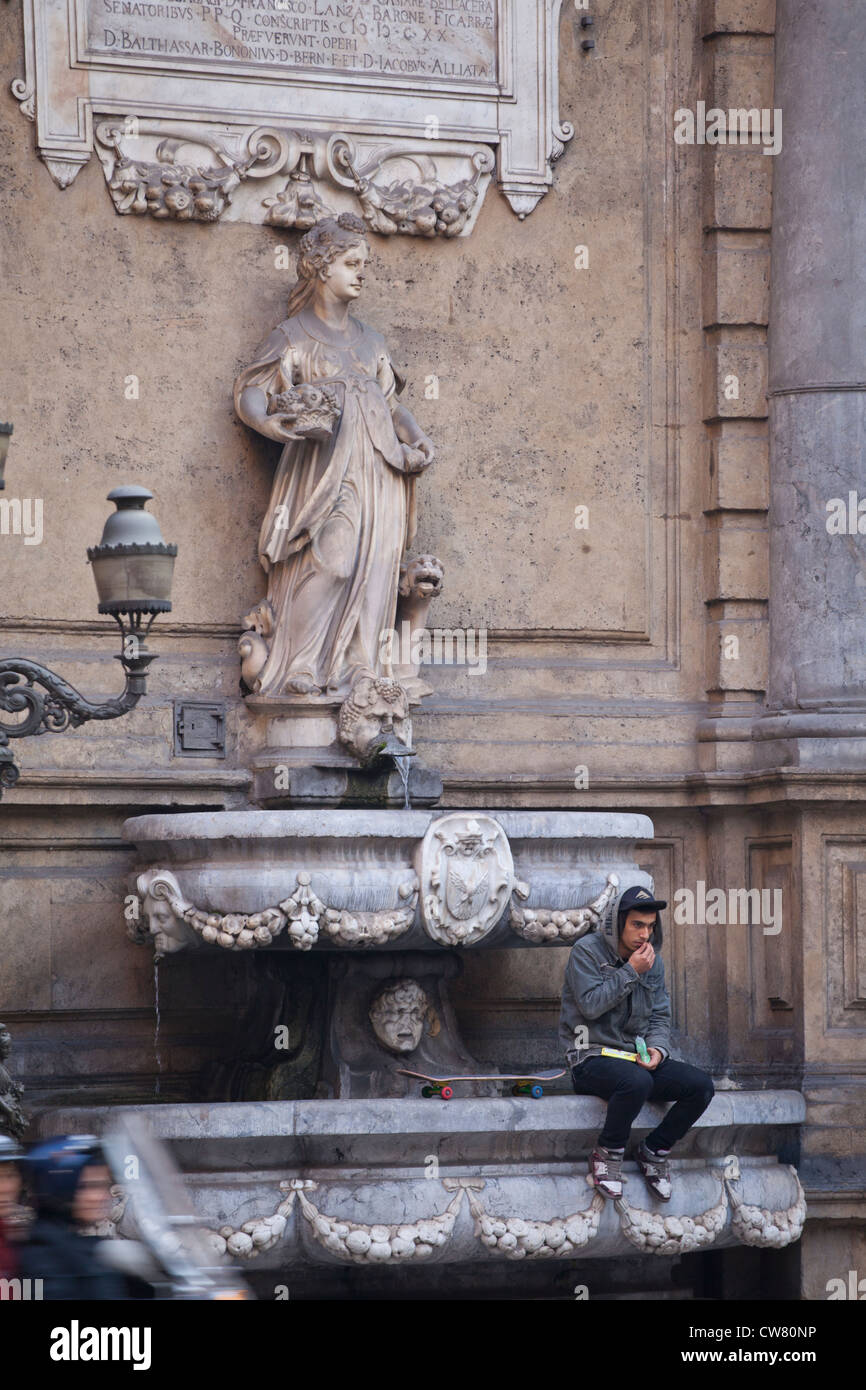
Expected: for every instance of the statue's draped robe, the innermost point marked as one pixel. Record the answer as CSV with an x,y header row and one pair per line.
x,y
341,513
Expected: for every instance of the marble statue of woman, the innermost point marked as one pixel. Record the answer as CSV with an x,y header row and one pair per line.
x,y
342,512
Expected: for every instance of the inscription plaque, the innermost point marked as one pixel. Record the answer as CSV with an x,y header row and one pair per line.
x,y
283,111
442,40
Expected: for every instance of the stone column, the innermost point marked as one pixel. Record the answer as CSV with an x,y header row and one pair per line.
x,y
817,390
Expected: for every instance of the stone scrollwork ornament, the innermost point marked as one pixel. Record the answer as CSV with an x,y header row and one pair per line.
x,y
560,926
173,922
381,1244
25,96
760,1226
419,206
359,929
143,179
519,1238
298,205
166,188
256,1236
655,1234
304,910
467,877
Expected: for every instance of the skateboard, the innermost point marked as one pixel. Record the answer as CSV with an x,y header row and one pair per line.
x,y
442,1086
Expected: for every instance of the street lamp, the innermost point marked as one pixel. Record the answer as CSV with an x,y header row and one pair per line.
x,y
132,567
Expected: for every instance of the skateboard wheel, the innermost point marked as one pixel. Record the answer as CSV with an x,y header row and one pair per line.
x,y
536,1092
446,1093
427,1091
515,1090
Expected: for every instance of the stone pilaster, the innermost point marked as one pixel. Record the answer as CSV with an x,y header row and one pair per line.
x,y
737,73
817,391
816,707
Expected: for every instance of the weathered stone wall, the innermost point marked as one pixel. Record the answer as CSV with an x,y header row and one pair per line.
x,y
558,388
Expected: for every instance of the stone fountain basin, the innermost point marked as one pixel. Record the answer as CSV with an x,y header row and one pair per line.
x,y
402,1161
358,861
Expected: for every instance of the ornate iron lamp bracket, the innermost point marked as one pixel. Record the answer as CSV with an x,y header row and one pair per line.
x,y
51,705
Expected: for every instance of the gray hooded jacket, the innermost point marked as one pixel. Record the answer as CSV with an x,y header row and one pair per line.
x,y
607,996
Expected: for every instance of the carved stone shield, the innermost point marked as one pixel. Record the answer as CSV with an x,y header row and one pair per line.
x,y
467,876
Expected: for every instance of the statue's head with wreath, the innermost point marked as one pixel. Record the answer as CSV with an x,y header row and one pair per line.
x,y
320,247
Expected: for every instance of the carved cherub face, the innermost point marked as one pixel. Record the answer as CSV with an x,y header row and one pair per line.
x,y
344,277
5,1042
397,1015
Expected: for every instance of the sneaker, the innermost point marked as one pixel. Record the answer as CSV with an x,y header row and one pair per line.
x,y
656,1171
605,1171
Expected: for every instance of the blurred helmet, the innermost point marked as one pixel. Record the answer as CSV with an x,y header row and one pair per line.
x,y
54,1168
10,1152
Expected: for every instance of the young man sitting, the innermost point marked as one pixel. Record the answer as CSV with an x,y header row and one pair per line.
x,y
614,993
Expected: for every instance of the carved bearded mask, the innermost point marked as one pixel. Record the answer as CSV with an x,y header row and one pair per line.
x,y
374,708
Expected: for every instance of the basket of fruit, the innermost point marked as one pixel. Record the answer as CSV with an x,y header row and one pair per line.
x,y
310,412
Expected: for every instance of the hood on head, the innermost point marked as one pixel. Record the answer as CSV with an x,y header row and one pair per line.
x,y
54,1168
610,926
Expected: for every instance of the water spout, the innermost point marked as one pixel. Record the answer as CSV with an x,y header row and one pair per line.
x,y
390,746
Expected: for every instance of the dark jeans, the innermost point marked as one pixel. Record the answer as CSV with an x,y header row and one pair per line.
x,y
627,1086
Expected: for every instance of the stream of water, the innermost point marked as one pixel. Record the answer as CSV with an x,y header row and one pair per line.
x,y
156,1025
403,769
